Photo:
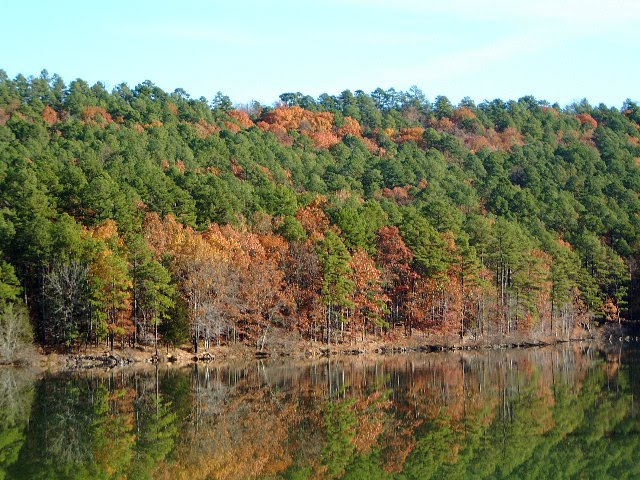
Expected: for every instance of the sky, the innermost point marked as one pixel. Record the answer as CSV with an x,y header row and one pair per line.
x,y
556,50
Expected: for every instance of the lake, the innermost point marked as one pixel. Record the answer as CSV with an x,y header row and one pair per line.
x,y
546,413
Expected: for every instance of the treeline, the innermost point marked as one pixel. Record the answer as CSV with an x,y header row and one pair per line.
x,y
138,214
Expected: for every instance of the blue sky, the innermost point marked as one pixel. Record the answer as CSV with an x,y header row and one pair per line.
x,y
557,50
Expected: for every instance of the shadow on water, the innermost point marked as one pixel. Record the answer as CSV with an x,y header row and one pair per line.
x,y
569,412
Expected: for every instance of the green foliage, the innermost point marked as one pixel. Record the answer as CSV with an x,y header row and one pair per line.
x,y
175,329
72,158
337,287
341,421
292,230
9,284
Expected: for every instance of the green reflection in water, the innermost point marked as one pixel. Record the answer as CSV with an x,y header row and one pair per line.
x,y
548,413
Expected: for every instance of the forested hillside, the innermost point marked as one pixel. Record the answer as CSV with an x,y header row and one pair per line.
x,y
136,210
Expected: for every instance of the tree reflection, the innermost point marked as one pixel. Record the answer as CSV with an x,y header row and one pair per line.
x,y
16,398
547,413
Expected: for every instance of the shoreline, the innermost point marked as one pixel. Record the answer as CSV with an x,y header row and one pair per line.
x,y
102,358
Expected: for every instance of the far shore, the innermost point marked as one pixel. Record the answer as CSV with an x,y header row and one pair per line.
x,y
299,349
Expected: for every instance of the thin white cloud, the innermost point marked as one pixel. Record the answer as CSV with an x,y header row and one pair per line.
x,y
450,67
213,34
611,12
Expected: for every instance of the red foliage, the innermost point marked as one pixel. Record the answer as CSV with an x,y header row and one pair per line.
x,y
401,195
587,120
475,143
395,259
319,126
278,130
463,113
50,116
205,128
238,170
97,116
444,124
350,127
368,298
234,127
409,134
313,218
324,139
373,146
242,118
173,108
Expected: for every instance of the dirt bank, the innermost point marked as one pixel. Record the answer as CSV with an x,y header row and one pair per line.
x,y
101,357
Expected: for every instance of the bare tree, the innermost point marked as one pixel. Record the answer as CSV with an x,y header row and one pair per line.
x,y
66,289
16,335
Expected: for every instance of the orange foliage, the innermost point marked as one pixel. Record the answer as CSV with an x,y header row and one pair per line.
x,y
108,232
319,126
234,127
278,130
97,116
368,296
297,118
242,118
564,243
324,139
510,137
313,218
540,275
205,128
50,116
401,195
437,304
141,127
409,134
610,310
238,170
475,143
350,127
373,146
587,120
445,124
463,113
163,234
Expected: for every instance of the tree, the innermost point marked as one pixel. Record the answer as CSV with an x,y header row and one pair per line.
x,y
395,258
221,102
156,295
110,284
337,287
16,334
9,285
66,289
369,299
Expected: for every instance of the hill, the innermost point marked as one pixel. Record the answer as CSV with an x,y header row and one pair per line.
x,y
334,218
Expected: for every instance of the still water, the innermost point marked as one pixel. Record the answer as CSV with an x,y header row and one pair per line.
x,y
549,413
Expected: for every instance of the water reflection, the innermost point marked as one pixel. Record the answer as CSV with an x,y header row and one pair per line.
x,y
546,413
